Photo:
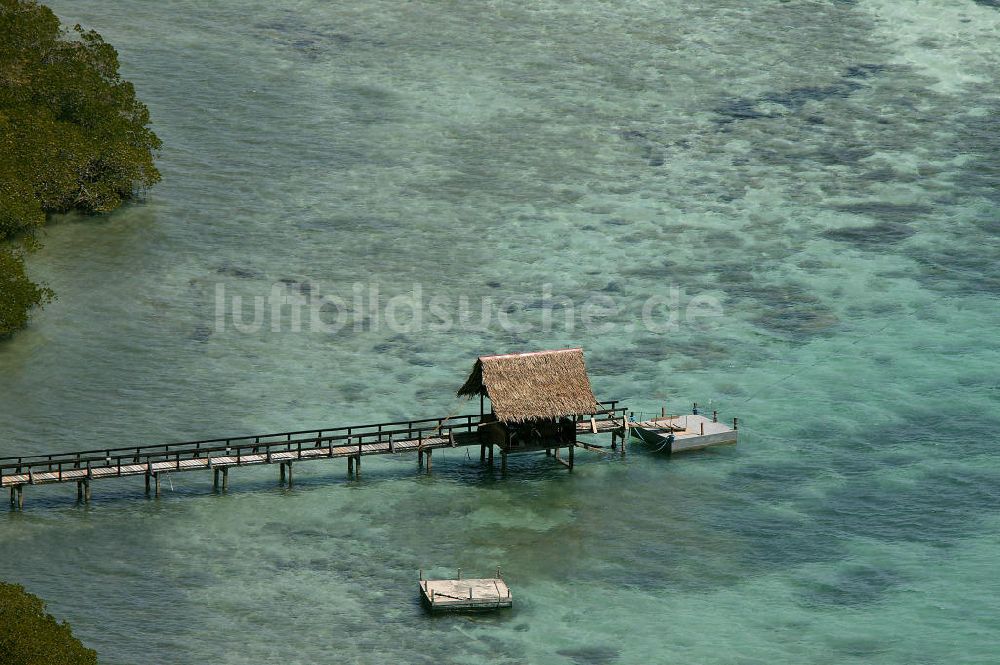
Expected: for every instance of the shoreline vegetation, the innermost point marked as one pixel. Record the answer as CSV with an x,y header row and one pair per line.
x,y
28,634
73,136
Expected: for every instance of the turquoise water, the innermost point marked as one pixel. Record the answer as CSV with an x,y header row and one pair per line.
x,y
826,173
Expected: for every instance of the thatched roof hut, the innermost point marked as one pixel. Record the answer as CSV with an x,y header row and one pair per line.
x,y
543,385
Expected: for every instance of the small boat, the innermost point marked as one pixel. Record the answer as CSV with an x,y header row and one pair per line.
x,y
672,434
663,441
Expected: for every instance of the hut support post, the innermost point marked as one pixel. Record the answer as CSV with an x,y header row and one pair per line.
x,y
489,456
571,456
482,454
503,460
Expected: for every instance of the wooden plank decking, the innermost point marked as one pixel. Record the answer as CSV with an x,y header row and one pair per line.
x,y
222,461
465,595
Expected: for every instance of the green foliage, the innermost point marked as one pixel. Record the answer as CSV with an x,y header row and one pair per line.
x,y
19,294
73,136
30,636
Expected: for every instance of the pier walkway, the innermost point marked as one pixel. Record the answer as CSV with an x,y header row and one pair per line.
x,y
422,436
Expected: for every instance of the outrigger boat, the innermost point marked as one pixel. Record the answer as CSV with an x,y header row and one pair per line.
x,y
674,434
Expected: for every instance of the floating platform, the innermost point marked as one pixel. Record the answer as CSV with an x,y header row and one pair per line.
x,y
690,432
465,595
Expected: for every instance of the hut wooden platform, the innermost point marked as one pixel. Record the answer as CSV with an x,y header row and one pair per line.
x,y
537,401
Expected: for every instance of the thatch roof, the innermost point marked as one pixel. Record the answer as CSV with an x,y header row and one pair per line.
x,y
533,386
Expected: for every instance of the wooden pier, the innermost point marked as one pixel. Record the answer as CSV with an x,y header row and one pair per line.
x,y
540,400
352,443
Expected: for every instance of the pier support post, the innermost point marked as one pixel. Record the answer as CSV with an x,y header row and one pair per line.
x,y
86,491
482,454
571,457
79,491
156,483
350,466
614,441
289,473
489,456
225,481
147,483
420,459
20,497
13,495
281,474
548,452
357,467
503,460
429,459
